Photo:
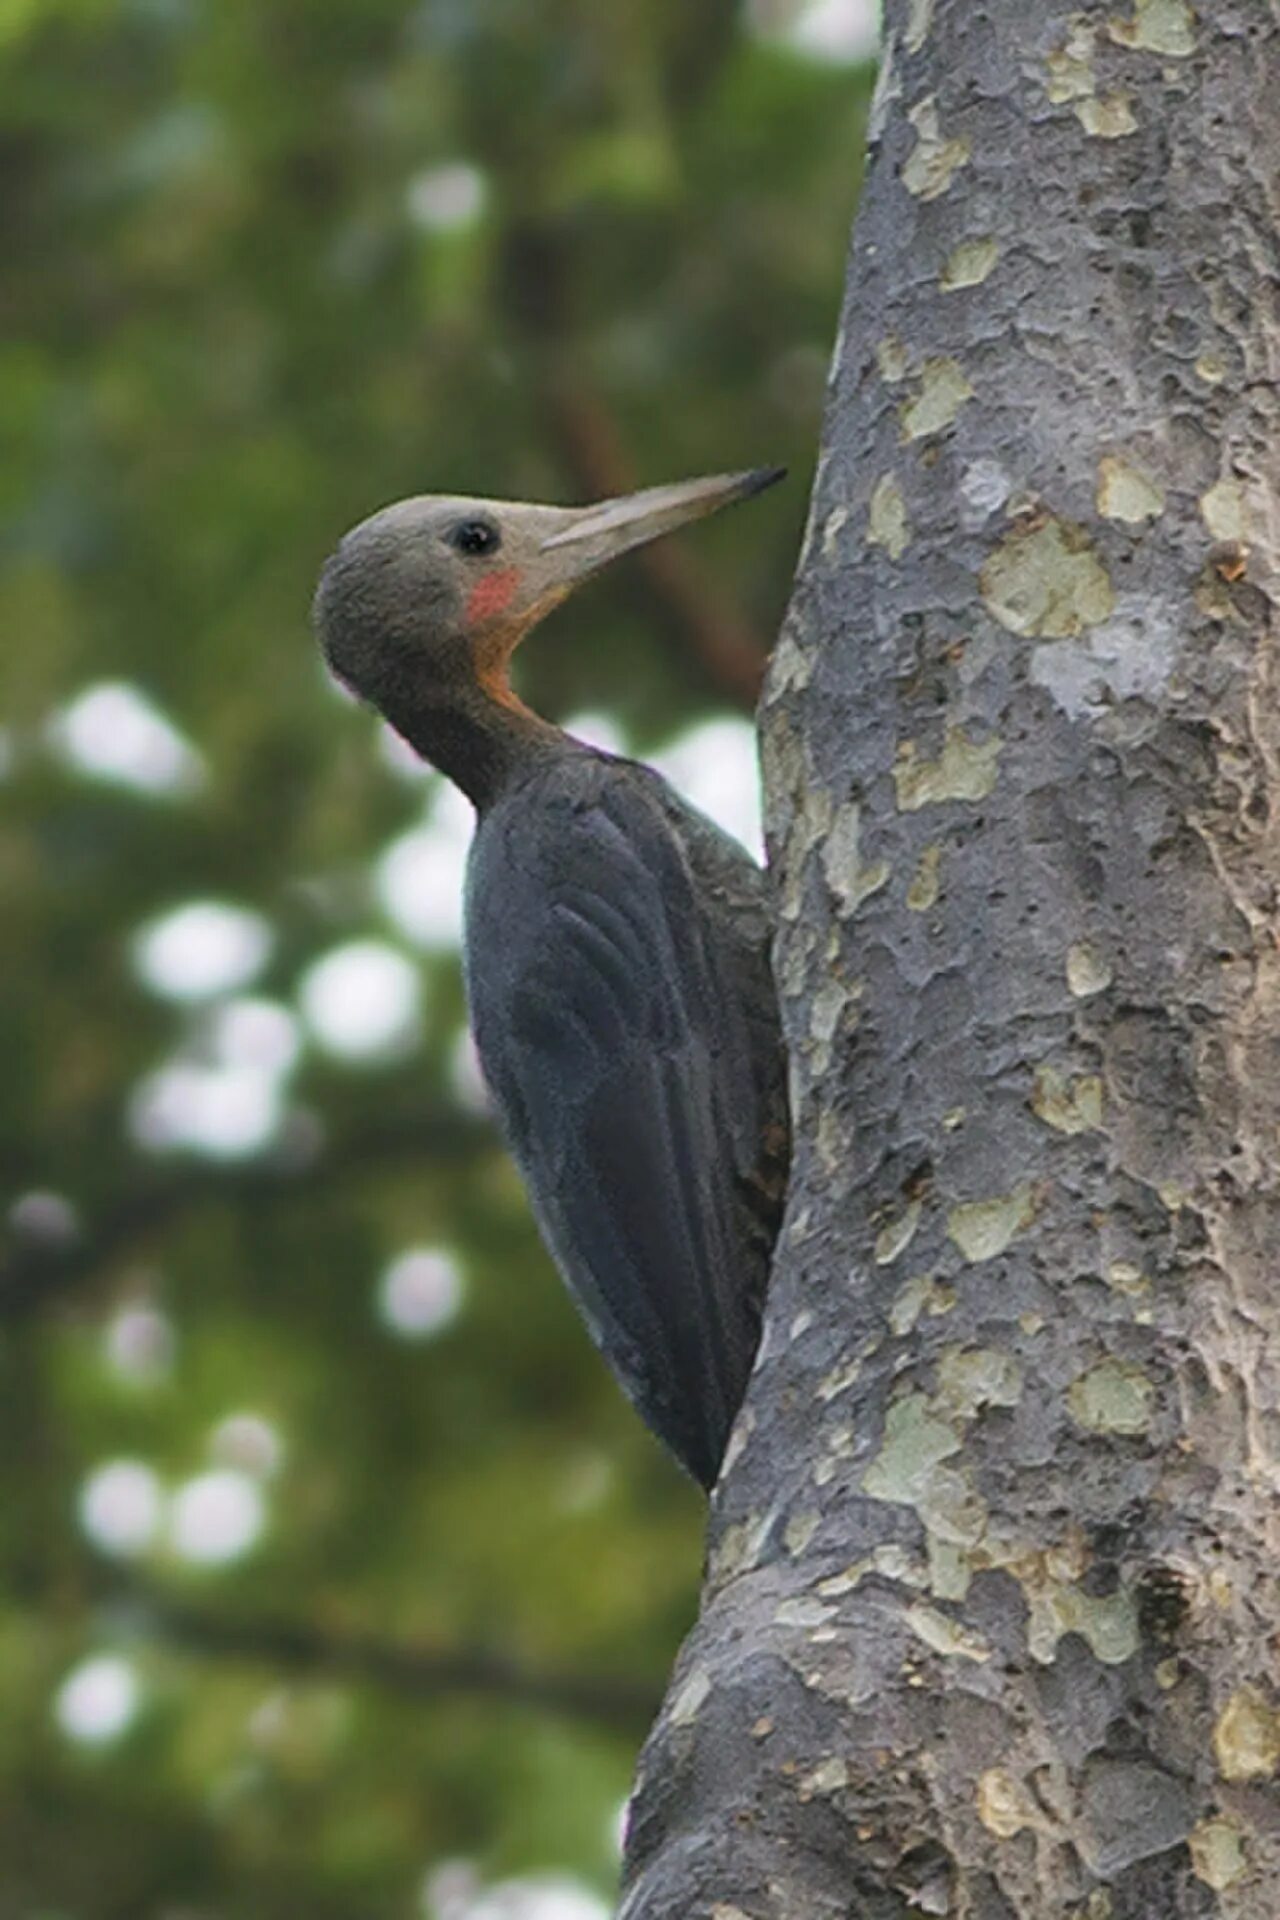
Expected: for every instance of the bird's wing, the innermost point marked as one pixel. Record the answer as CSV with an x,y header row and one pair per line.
x,y
616,1051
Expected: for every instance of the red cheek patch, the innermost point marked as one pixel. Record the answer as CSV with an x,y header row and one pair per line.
x,y
492,595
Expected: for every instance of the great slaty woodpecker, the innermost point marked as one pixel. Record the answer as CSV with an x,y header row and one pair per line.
x,y
616,945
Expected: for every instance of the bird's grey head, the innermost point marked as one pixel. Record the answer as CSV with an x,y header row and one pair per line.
x,y
390,608
434,594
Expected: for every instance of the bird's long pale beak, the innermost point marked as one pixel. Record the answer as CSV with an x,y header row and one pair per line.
x,y
595,535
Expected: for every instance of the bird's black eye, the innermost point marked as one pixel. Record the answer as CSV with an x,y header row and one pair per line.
x,y
475,537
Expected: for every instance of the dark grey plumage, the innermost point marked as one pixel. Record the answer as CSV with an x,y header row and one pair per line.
x,y
625,1020
616,949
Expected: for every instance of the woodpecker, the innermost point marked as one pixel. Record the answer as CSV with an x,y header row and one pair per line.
x,y
616,945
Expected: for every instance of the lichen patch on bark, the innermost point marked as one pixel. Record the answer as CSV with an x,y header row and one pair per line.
x,y
1125,1277
840,1380
1217,1853
1004,1805
1088,971
1109,1623
1225,512
1112,1397
969,264
923,1293
833,1007
934,161
1124,493
887,524
891,1560
689,1701
737,1549
849,878
828,1777
800,1529
802,1611
1158,26
944,1635
1068,1106
965,770
915,1441
1068,68
970,1378
923,890
919,22
944,389
790,669
1046,582
894,1238
983,1229
1246,1737
836,522
1107,116
892,359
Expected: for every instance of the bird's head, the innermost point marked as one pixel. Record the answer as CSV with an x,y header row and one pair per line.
x,y
436,593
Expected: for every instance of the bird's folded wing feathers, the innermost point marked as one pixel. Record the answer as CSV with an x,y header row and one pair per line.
x,y
628,1097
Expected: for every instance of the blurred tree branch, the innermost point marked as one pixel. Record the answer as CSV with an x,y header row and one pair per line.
x,y
37,1273
620,1704
699,616
700,620
705,37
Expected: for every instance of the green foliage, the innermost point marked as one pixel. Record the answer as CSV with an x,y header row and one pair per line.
x,y
268,268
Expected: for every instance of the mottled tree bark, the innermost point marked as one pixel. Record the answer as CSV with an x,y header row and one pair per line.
x,y
991,1623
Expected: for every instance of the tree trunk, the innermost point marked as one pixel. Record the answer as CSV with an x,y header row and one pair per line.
x,y
991,1621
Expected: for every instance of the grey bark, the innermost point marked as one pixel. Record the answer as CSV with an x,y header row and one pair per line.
x,y
991,1622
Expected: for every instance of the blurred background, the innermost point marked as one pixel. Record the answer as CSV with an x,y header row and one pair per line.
x,y
337,1579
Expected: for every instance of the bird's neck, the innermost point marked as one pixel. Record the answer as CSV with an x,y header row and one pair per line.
x,y
479,741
